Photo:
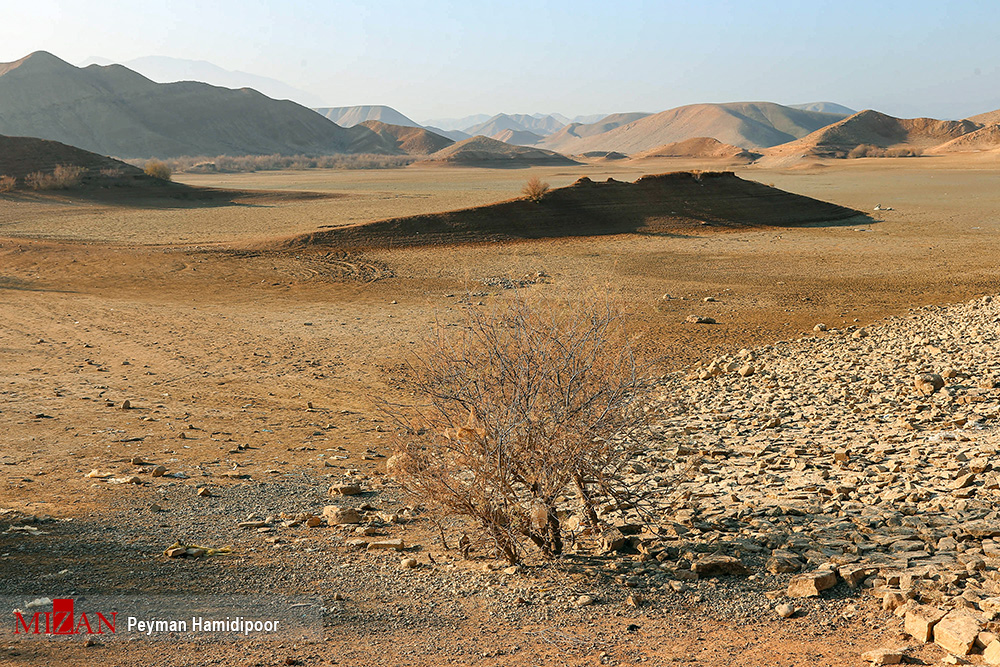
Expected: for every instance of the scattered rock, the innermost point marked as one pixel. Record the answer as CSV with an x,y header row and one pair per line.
x,y
928,383
785,610
811,584
920,621
883,656
384,545
345,490
699,319
408,563
956,632
339,516
716,565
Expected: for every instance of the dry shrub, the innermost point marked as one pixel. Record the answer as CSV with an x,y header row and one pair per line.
x,y
63,177
535,189
868,150
521,408
7,183
158,169
252,163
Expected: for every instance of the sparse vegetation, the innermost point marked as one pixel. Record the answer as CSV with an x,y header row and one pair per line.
x,y
535,189
523,406
869,150
63,177
7,183
227,164
158,169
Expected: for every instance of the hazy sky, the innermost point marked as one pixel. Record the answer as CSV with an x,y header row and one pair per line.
x,y
432,59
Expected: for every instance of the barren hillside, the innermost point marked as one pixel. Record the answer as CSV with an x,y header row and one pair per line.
x,y
699,147
876,129
745,124
409,140
114,111
486,152
983,139
20,156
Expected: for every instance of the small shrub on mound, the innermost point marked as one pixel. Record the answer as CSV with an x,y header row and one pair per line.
x,y
7,183
62,178
158,169
535,189
519,409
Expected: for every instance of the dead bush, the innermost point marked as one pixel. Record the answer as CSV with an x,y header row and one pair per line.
x,y
518,410
158,169
63,177
865,150
535,189
7,183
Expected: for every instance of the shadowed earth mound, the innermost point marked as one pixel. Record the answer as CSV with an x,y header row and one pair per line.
x,y
665,203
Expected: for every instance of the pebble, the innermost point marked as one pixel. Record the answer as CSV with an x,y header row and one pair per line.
x,y
785,610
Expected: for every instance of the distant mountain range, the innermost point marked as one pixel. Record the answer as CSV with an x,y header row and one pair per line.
x,y
163,69
113,110
825,107
351,116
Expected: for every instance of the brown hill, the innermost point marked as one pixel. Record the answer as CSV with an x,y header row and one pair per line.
x,y
988,118
651,205
700,147
20,156
983,139
748,125
409,140
115,111
871,128
486,152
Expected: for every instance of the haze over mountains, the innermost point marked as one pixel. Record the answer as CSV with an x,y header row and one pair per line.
x,y
163,69
351,116
112,110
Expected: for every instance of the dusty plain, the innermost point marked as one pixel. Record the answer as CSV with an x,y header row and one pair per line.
x,y
184,311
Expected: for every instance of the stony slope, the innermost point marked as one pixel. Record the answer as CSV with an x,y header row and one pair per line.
x,y
653,204
115,111
749,125
861,457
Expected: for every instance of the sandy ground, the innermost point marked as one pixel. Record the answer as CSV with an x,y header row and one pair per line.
x,y
102,303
